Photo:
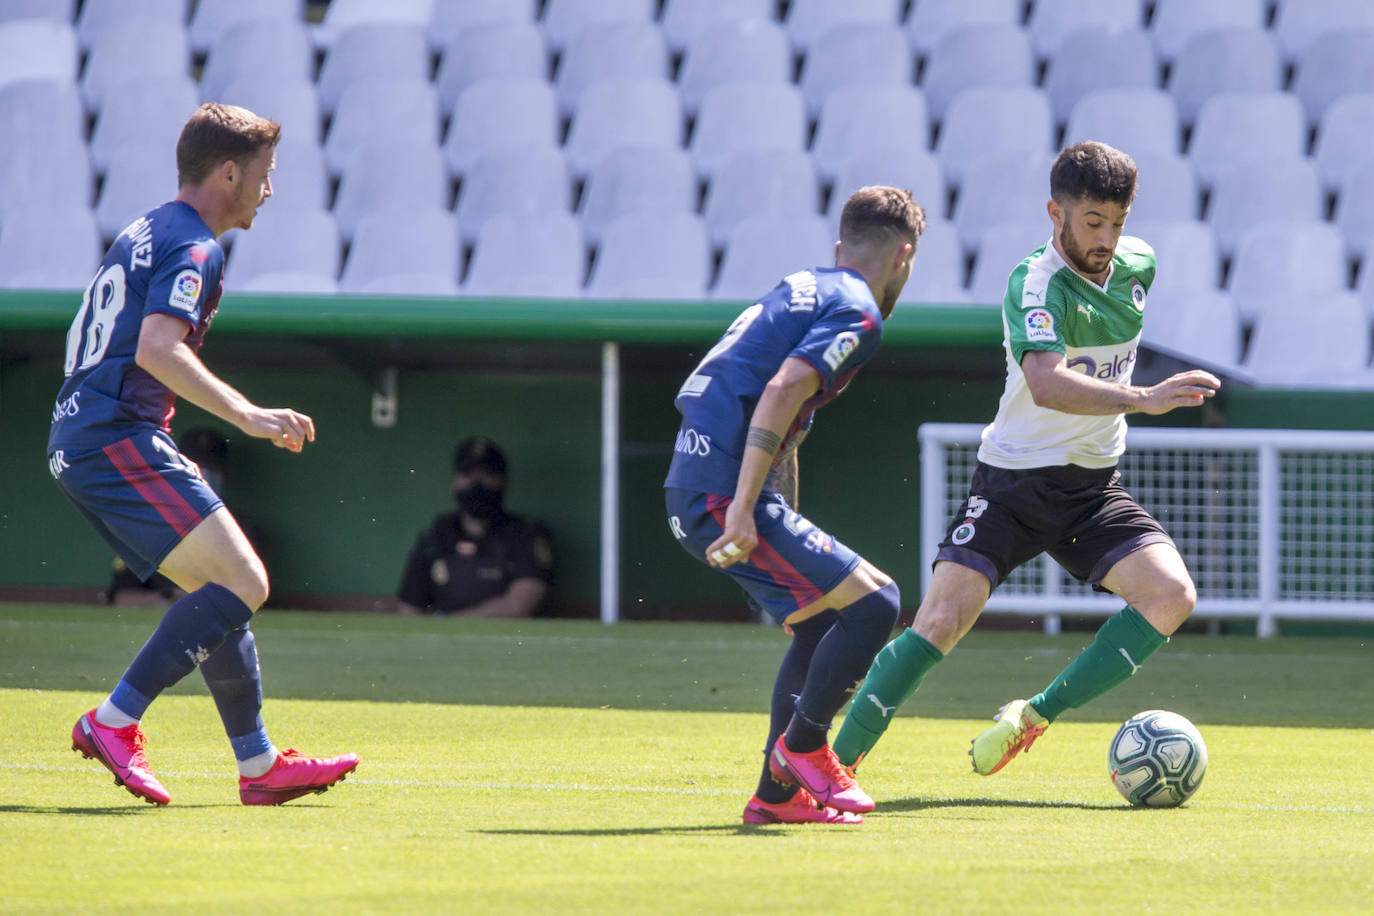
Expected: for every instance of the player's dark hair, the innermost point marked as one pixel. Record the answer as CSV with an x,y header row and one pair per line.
x,y
878,210
217,133
1093,171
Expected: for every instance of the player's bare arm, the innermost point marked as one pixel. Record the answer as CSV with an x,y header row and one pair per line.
x,y
163,353
794,382
1054,385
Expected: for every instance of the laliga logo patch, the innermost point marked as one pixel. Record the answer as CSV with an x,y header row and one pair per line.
x,y
964,533
1138,295
1039,325
820,542
844,344
185,290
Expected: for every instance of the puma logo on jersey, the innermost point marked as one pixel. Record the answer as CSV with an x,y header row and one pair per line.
x,y
885,710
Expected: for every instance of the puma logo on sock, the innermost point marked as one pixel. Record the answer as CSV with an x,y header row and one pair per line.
x,y
1130,661
885,710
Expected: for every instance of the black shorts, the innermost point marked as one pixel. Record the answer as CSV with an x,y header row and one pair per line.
x,y
1081,517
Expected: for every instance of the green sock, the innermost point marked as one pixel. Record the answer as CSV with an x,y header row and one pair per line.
x,y
1121,647
896,673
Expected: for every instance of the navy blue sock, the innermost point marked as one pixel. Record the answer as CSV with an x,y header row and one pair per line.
x,y
840,663
788,685
232,674
190,631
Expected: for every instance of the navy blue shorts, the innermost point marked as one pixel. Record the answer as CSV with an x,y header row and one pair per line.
x,y
140,493
795,564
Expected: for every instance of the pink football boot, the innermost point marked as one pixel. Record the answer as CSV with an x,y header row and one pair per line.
x,y
294,775
820,773
121,751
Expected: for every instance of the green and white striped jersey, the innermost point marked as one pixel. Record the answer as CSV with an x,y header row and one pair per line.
x,y
1049,306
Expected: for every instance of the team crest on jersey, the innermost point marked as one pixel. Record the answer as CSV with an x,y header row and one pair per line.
x,y
185,290
844,344
820,542
1039,325
1138,295
964,533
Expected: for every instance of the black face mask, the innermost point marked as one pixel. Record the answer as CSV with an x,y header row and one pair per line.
x,y
479,501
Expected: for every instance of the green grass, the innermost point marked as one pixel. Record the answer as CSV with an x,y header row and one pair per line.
x,y
541,766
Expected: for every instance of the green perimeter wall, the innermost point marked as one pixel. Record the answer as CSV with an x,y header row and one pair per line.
x,y
337,520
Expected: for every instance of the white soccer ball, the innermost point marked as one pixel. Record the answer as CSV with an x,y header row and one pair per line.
x,y
1157,759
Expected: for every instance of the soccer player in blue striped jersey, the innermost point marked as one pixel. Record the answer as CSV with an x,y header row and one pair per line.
x,y
1046,480
131,351
731,493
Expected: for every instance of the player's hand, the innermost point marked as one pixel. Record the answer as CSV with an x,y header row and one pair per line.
x,y
737,541
1184,389
283,427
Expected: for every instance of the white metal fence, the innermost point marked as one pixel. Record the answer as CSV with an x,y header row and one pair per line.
x,y
1274,524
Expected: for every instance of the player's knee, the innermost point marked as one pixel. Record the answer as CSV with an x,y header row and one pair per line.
x,y
251,586
877,611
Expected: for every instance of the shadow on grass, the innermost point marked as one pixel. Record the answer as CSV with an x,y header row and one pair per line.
x,y
125,810
724,829
928,804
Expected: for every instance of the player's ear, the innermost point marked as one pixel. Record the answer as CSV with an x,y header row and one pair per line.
x,y
1056,212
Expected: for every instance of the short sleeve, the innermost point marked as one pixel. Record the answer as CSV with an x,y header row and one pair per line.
x,y
533,555
182,279
1034,313
842,339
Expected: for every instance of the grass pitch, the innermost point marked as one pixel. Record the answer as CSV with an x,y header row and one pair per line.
x,y
542,766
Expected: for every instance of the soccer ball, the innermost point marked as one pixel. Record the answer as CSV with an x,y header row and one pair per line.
x,y
1157,759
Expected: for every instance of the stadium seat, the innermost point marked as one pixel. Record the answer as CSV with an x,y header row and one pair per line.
x,y
808,20
622,112
684,20
899,166
745,115
291,103
269,50
1281,263
62,11
1223,60
632,178
453,18
36,49
858,117
1290,189
495,115
1097,59
1325,342
868,54
1186,254
764,248
937,274
388,174
1175,22
110,68
49,247
395,245
1166,189
401,110
1342,144
1355,209
760,183
142,111
980,121
98,15
1334,65
140,176
609,50
1001,187
931,20
501,264
1297,23
340,16
1236,126
301,180
1003,247
750,49
1138,121
214,17
282,241
528,180
500,50
1365,282
563,19
976,56
1050,23
290,282
1201,323
44,159
652,256
370,51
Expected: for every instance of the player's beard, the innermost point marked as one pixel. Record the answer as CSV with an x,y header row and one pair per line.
x,y
1077,257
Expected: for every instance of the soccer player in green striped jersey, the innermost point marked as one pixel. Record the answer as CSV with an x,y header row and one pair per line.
x,y
1046,479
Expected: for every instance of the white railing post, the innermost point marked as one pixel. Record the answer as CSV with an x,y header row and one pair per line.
x,y
1270,493
610,482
